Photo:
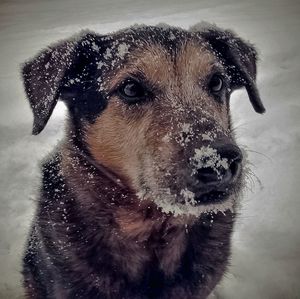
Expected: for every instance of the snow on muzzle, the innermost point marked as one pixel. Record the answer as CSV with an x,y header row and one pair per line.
x,y
215,168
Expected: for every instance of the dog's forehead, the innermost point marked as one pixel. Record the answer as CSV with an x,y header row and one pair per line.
x,y
156,53
164,35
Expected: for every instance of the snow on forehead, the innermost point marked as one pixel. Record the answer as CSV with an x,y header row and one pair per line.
x,y
117,51
147,33
122,42
124,39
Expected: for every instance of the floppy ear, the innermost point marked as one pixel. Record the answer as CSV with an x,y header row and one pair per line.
x,y
44,78
239,58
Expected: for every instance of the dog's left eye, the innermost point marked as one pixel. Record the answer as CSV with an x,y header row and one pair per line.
x,y
132,91
216,84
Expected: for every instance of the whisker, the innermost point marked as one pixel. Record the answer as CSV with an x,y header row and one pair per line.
x,y
259,153
246,149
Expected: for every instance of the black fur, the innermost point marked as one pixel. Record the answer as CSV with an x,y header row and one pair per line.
x,y
70,247
74,248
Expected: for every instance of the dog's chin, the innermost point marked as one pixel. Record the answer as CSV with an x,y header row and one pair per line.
x,y
192,204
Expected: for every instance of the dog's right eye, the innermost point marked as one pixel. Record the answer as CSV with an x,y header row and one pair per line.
x,y
132,91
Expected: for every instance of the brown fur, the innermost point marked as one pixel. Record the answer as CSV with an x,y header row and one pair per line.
x,y
121,135
101,229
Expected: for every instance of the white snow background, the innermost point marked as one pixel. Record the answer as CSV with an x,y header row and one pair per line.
x,y
266,242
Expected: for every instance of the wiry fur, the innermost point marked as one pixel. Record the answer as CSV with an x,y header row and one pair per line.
x,y
93,236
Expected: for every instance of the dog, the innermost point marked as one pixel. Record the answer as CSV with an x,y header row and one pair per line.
x,y
139,199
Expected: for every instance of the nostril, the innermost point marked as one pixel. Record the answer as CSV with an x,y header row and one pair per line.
x,y
207,175
220,176
233,154
234,167
235,162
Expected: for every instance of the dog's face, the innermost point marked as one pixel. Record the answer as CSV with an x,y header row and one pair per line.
x,y
151,105
162,110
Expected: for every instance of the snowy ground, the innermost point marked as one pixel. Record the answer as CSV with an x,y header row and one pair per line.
x,y
266,247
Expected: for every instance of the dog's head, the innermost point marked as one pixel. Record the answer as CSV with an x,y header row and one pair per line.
x,y
151,105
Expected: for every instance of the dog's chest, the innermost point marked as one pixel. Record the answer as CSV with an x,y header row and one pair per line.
x,y
156,242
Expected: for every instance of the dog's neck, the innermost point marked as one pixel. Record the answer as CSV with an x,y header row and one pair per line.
x,y
146,230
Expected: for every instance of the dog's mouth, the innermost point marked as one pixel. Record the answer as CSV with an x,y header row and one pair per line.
x,y
191,203
211,197
204,197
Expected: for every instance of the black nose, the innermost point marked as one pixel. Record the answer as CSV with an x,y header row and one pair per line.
x,y
222,175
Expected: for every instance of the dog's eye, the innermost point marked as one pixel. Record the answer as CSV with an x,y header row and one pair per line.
x,y
216,84
132,91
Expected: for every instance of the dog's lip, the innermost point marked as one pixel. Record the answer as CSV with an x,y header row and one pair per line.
x,y
213,196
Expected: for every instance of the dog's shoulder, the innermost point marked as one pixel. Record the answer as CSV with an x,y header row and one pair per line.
x,y
54,187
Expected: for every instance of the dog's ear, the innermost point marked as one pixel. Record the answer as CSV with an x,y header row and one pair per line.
x,y
240,59
44,77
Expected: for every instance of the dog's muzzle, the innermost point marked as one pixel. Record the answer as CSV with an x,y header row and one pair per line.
x,y
216,173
